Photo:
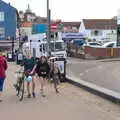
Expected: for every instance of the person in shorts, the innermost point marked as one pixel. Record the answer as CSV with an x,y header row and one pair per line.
x,y
3,68
55,75
42,70
29,64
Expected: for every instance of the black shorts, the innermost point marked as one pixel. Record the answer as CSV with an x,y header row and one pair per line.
x,y
43,76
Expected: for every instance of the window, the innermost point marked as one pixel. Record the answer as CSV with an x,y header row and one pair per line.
x,y
1,16
96,33
40,48
111,45
2,32
57,46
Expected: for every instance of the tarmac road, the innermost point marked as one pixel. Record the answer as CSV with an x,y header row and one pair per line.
x,y
71,104
101,73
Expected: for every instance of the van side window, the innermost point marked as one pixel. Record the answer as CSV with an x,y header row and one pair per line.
x,y
40,48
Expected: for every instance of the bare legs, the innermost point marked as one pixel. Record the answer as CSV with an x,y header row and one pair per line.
x,y
42,86
33,87
0,96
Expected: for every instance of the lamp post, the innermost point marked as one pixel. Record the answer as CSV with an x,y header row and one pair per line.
x,y
48,27
30,47
19,39
13,48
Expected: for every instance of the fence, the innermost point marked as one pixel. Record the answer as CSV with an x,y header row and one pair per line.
x,y
96,53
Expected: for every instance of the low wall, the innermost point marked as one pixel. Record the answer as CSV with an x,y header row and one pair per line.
x,y
99,53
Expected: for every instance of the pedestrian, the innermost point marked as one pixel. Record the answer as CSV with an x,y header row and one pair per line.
x,y
3,68
56,76
29,63
42,70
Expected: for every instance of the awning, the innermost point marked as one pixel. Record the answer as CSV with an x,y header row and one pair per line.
x,y
73,35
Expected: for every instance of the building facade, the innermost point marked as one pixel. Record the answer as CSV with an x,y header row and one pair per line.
x,y
99,29
8,21
70,27
26,29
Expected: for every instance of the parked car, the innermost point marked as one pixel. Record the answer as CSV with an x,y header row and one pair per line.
x,y
110,45
92,44
102,42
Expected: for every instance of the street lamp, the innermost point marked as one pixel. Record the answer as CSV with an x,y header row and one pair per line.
x,y
48,27
13,48
30,47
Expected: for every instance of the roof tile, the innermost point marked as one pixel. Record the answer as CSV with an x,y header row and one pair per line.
x,y
26,24
100,23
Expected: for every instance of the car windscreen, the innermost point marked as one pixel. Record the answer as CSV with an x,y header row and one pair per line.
x,y
57,46
94,44
111,45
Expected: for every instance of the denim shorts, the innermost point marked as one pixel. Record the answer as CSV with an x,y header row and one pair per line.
x,y
1,83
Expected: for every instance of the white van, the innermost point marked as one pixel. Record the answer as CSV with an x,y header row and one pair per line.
x,y
39,48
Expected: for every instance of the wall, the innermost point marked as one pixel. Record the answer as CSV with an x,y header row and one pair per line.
x,y
97,53
10,19
26,31
108,34
39,28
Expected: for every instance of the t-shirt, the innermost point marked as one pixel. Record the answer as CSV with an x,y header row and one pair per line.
x,y
29,63
42,68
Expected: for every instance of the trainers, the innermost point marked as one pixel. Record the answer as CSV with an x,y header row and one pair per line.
x,y
29,96
33,94
1,100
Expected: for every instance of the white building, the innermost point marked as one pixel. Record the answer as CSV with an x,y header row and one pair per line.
x,y
99,29
26,29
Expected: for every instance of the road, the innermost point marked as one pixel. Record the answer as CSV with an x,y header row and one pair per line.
x,y
71,104
102,73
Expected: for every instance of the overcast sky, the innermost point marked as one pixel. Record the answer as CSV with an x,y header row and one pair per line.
x,y
71,10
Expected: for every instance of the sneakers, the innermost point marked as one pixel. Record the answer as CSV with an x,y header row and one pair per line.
x,y
1,100
29,95
33,94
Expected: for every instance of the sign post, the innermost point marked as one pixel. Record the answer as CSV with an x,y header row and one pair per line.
x,y
48,27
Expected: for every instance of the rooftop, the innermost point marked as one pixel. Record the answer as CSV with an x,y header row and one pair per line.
x,y
26,24
74,24
100,23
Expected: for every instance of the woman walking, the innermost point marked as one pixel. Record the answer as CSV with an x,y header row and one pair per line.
x,y
55,72
3,68
42,70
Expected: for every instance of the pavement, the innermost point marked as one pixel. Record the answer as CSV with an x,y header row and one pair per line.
x,y
102,73
72,103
